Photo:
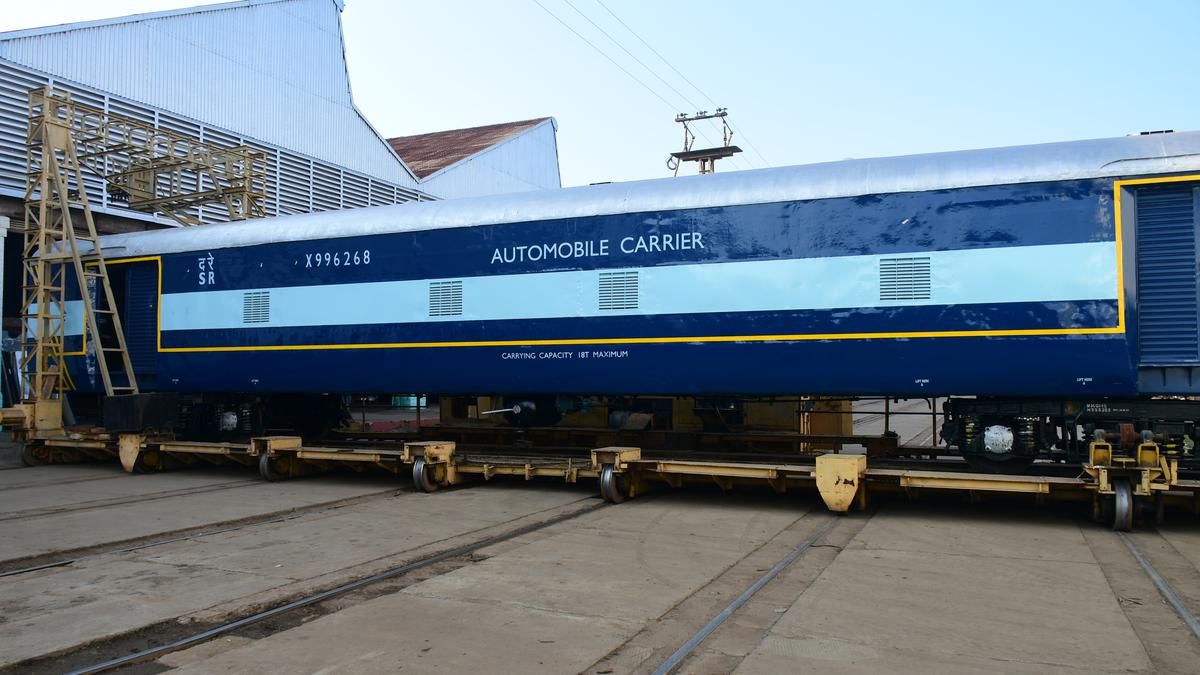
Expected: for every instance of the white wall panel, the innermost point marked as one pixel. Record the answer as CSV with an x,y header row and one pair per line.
x,y
291,187
272,70
525,162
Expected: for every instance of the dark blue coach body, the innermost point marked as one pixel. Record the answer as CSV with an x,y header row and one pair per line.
x,y
1056,270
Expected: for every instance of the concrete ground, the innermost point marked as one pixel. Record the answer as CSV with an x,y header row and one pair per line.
x,y
910,589
930,586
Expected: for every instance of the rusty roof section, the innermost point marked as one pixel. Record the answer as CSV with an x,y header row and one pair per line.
x,y
426,154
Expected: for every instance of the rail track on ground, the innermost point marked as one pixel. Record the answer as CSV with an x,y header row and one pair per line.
x,y
33,563
119,655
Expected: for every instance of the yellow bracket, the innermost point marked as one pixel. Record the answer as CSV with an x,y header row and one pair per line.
x,y
273,445
840,481
1100,454
618,456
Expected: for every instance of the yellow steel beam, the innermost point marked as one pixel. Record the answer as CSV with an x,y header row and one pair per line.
x,y
203,448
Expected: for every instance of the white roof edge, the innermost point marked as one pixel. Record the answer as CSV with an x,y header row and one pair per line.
x,y
131,18
548,120
388,146
1074,160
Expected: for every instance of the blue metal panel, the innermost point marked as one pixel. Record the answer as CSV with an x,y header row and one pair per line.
x,y
1066,366
141,316
1168,319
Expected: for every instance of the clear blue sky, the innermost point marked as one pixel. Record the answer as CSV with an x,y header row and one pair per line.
x,y
804,81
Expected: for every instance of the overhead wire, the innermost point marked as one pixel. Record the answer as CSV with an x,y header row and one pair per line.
x,y
682,76
605,55
654,92
650,70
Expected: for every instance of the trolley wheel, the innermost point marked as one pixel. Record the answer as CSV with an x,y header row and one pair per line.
x,y
614,488
422,480
269,469
1122,506
29,456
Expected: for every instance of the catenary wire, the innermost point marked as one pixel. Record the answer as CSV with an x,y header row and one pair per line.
x,y
610,59
681,75
648,69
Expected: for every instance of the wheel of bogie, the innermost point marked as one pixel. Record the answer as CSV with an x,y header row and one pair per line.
x,y
422,478
1160,514
1122,506
269,469
614,487
29,456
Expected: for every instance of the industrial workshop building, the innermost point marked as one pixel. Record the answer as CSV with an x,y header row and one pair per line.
x,y
267,74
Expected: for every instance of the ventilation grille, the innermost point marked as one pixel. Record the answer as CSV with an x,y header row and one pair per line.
x,y
1168,321
256,307
618,290
904,279
445,298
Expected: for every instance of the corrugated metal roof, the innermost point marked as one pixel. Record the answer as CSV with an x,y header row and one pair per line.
x,y
1109,157
426,154
274,70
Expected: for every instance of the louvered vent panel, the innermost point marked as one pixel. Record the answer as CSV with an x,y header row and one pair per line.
x,y
256,307
904,279
618,290
445,298
1166,276
140,317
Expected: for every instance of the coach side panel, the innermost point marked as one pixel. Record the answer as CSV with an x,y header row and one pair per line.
x,y
1005,290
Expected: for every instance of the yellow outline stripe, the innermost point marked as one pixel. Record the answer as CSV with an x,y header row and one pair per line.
x,y
1118,186
1112,330
157,328
660,340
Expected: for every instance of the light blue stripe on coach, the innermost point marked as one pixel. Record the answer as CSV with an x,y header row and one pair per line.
x,y
1060,272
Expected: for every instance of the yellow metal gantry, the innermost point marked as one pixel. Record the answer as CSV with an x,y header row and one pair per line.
x,y
159,172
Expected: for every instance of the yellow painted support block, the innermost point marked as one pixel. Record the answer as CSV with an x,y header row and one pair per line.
x,y
1147,455
19,416
840,480
129,446
616,455
47,415
272,445
432,451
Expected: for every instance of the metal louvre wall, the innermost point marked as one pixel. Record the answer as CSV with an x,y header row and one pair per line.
x,y
140,315
1168,294
295,183
275,71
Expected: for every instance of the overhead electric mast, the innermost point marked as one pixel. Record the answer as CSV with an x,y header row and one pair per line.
x,y
706,158
157,171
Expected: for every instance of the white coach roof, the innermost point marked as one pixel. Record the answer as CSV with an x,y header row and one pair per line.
x,y
1111,157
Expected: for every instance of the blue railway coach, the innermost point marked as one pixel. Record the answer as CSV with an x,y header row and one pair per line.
x,y
1058,271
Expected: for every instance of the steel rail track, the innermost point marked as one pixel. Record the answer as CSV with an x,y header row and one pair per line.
x,y
126,501
690,645
203,636
57,558
1164,588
